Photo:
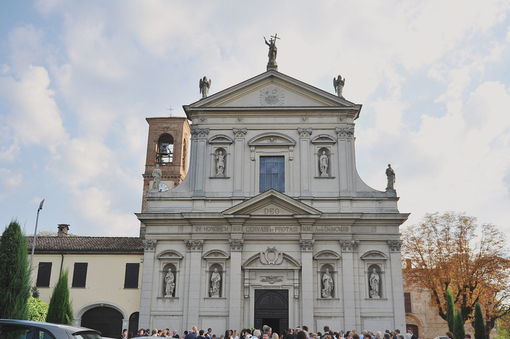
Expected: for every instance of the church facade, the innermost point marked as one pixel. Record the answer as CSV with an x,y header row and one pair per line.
x,y
272,223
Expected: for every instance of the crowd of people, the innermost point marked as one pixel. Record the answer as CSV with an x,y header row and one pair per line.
x,y
267,333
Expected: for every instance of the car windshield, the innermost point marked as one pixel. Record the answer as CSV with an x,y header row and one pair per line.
x,y
86,335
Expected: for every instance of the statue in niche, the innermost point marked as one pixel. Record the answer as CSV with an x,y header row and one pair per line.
x,y
327,285
374,284
220,164
339,83
323,164
272,50
390,174
156,175
169,283
204,86
214,291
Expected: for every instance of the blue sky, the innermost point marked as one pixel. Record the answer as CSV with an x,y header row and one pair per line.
x,y
78,79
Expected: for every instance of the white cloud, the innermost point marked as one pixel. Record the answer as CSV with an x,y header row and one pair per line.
x,y
9,182
35,117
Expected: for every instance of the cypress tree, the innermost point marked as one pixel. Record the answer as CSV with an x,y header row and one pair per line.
x,y
60,310
14,275
479,323
450,315
458,327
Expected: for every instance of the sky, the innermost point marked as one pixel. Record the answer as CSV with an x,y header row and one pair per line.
x,y
78,79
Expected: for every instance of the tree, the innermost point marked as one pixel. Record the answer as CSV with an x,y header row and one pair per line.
x,y
14,275
37,309
458,326
60,310
479,323
452,251
450,310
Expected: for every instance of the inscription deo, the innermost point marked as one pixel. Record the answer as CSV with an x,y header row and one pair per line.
x,y
271,210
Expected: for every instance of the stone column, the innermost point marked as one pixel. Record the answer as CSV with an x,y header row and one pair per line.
x,y
307,295
193,270
346,163
197,167
395,280
350,304
147,296
305,160
239,169
235,296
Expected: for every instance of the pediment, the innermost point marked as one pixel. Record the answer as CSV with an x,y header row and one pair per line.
x,y
271,258
327,255
221,139
170,254
272,89
271,203
271,139
374,254
215,254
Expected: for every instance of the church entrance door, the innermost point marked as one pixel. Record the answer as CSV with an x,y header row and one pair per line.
x,y
272,309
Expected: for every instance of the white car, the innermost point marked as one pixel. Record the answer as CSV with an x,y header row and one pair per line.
x,y
24,329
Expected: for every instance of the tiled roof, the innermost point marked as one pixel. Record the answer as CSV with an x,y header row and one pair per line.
x,y
86,244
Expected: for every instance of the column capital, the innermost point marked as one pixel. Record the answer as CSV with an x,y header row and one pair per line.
x,y
236,245
306,245
345,132
194,245
197,132
149,245
395,245
305,132
349,245
239,132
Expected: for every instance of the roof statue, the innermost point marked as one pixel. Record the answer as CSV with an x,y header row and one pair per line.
x,y
338,84
204,86
271,64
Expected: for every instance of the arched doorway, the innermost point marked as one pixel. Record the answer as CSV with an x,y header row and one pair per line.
x,y
272,309
107,320
133,322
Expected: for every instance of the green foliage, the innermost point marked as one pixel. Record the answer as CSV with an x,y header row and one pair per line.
x,y
14,275
60,310
479,323
458,325
35,292
37,309
450,311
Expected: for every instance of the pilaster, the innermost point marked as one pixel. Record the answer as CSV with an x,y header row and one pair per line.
x,y
349,265
345,157
239,134
304,140
146,296
199,143
397,283
194,267
235,297
307,280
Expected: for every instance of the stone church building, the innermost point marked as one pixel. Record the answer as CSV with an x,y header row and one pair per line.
x,y
272,223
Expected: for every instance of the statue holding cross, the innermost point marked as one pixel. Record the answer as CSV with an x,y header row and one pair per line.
x,y
272,49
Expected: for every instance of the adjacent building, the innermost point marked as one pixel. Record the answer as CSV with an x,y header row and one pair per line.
x,y
104,277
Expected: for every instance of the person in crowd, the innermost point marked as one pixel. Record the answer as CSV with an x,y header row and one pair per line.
x,y
201,334
449,335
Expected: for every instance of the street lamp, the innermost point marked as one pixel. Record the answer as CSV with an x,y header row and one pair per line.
x,y
35,233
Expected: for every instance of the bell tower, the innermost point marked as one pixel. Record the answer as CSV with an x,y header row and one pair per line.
x,y
168,147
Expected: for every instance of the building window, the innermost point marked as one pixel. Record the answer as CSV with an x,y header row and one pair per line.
x,y
80,274
407,302
165,151
131,278
272,174
43,274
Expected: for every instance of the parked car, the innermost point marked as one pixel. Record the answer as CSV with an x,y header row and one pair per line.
x,y
24,329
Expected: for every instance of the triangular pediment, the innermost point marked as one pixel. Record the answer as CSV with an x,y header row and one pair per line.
x,y
271,203
272,89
